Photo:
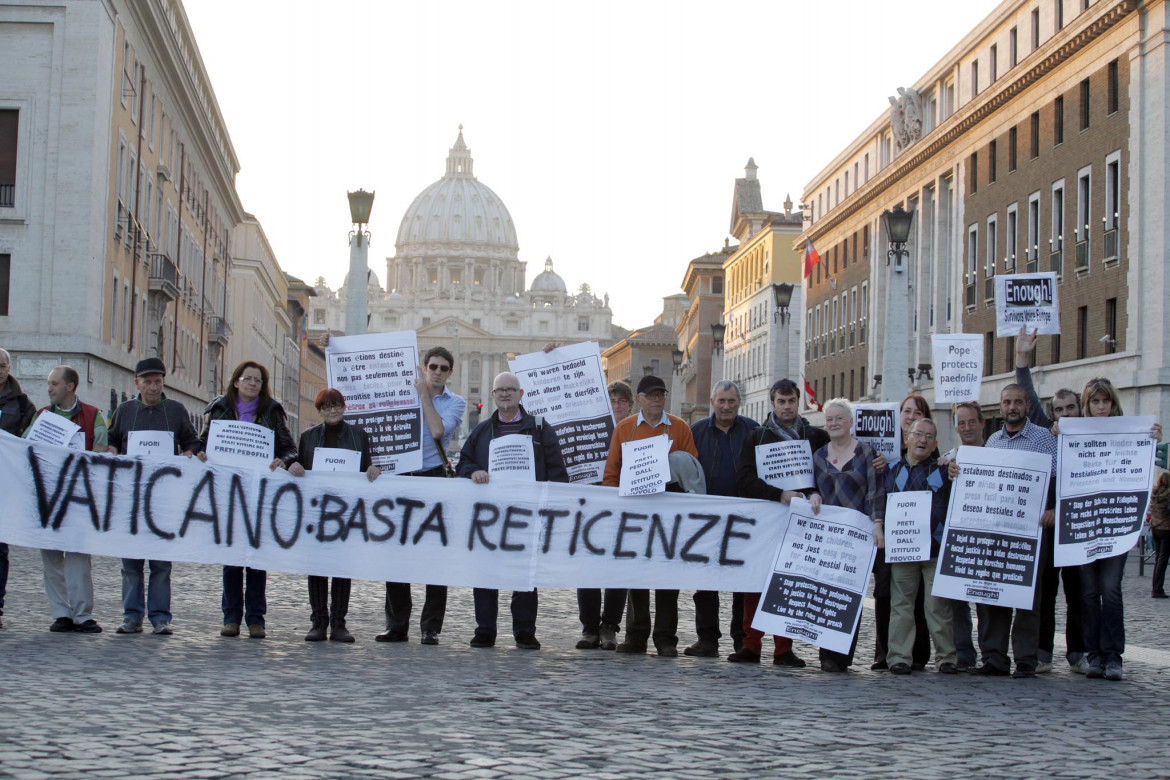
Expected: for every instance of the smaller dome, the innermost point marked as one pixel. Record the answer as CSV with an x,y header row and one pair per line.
x,y
548,280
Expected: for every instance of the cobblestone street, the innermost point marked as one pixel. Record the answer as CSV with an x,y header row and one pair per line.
x,y
198,705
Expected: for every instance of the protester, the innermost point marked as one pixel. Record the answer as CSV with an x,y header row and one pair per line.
x,y
16,414
150,411
846,477
333,433
68,581
509,418
918,470
782,424
718,439
1160,530
651,420
248,399
968,420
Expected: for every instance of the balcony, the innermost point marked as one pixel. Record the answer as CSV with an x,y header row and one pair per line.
x,y
1056,262
218,331
164,277
1082,255
7,195
1110,245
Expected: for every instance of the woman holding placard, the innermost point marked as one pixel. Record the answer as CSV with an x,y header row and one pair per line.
x,y
324,440
247,399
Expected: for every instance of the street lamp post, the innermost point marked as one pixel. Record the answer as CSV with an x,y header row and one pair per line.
x,y
718,331
676,356
897,370
357,310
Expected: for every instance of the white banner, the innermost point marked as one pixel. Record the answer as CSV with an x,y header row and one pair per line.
x,y
375,372
819,575
992,536
645,466
878,426
240,444
337,459
1104,472
566,387
1030,300
908,526
786,465
512,458
958,367
156,444
398,529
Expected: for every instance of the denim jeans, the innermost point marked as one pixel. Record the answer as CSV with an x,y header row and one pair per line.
x,y
135,602
596,609
3,574
1157,582
239,602
487,610
1102,612
961,620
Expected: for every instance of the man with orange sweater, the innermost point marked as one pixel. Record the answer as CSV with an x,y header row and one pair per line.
x,y
651,420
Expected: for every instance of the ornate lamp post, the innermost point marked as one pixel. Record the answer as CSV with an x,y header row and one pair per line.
x,y
357,311
896,361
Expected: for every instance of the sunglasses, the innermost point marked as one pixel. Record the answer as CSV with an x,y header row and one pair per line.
x,y
437,367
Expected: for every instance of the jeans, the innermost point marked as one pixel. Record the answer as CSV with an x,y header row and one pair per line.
x,y
908,581
247,602
135,601
1158,581
1102,611
597,609
961,621
324,612
3,574
487,610
753,638
1048,580
399,606
665,618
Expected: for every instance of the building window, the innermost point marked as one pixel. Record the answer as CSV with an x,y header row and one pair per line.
x,y
1111,326
1013,143
9,124
1084,214
1058,121
1035,29
1082,332
426,321
1033,247
1011,238
992,160
1055,349
1085,104
973,172
1034,136
5,282
717,285
115,330
1114,86
993,64
582,324
1112,204
1013,48
543,326
988,353
972,262
974,78
989,256
1058,14
319,317
1056,234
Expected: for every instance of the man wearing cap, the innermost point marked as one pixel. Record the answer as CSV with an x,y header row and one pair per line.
x,y
150,411
651,420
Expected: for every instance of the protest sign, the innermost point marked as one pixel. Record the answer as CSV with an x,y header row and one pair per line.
x,y
241,444
819,574
1029,300
442,531
908,526
52,428
992,537
786,465
958,367
1104,472
512,458
645,466
152,443
376,372
566,387
337,459
878,426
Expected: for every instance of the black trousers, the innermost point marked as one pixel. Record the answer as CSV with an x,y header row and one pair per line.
x,y
325,611
596,610
665,618
1048,583
398,599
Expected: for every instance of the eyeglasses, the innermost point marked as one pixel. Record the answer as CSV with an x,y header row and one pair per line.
x,y
439,368
255,380
332,407
502,390
655,394
1100,379
921,435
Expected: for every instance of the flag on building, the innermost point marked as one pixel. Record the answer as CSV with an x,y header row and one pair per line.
x,y
812,396
811,258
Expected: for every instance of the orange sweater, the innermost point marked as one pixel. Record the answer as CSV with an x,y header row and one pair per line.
x,y
678,432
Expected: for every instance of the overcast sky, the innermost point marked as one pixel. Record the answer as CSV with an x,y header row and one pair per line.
x,y
613,132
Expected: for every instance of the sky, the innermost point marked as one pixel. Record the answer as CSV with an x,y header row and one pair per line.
x,y
613,132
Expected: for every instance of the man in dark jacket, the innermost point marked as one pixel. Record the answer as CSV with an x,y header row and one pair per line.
x,y
509,418
150,411
719,438
16,414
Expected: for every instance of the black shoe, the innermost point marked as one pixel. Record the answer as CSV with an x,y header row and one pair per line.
x,y
961,666
744,656
589,641
527,642
1,622
668,651
948,668
631,648
482,641
1023,671
316,633
788,658
703,649
879,666
835,667
340,633
430,638
990,670
918,667
88,627
389,635
1161,595
901,668
61,625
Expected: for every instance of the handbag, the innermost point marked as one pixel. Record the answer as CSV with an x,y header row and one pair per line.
x,y
448,469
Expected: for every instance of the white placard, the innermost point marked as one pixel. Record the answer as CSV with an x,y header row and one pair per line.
x,y
992,536
819,575
566,386
337,459
242,444
908,526
786,465
1030,300
645,466
52,428
958,367
375,373
512,458
878,426
1104,470
150,443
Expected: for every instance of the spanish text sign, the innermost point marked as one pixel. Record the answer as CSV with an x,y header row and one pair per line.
x,y
1030,300
958,367
1104,471
992,537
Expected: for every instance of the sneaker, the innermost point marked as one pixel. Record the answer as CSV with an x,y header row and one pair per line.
x,y
589,642
162,628
668,651
88,627
527,642
744,656
390,635
948,668
430,638
1095,670
788,658
129,627
340,634
1113,671
1079,666
230,629
316,633
631,648
1044,667
256,631
900,668
703,649
482,641
608,638
61,625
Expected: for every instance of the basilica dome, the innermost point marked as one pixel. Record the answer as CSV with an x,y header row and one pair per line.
x,y
458,209
548,280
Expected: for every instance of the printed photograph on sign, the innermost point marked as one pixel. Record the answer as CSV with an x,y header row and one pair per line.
x,y
1028,300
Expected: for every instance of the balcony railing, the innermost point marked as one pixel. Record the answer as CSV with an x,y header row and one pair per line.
x,y
1082,255
1111,244
863,324
7,195
218,331
164,277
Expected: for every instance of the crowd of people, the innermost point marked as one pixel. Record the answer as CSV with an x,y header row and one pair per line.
x,y
716,456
